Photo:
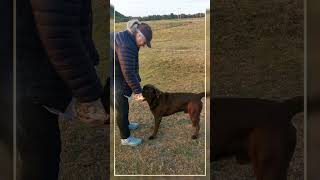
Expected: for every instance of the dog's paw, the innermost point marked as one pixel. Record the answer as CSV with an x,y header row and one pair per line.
x,y
151,137
194,137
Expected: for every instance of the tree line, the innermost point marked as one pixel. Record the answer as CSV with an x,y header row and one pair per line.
x,y
121,18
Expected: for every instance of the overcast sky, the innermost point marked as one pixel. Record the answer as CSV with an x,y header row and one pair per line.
x,y
159,7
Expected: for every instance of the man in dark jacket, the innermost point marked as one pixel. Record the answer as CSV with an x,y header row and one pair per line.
x,y
56,60
125,75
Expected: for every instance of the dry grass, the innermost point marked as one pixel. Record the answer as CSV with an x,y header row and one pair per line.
x,y
173,152
258,52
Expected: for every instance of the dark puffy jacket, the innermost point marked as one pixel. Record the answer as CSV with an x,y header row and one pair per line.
x,y
6,78
55,52
126,63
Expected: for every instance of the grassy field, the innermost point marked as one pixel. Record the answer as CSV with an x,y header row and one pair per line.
x,y
175,63
258,52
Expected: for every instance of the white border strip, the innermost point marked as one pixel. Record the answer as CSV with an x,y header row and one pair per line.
x,y
205,91
114,90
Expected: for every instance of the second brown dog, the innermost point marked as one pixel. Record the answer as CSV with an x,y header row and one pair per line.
x,y
257,131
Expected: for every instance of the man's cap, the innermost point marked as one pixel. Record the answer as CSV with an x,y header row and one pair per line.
x,y
145,29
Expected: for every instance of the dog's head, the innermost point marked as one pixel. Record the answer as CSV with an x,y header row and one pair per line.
x,y
150,92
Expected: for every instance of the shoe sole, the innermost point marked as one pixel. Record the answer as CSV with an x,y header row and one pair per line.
x,y
130,144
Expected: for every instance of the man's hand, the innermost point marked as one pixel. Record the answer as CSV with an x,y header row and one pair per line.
x,y
138,97
92,113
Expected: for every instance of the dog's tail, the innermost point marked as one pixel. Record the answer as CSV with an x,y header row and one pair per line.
x,y
294,105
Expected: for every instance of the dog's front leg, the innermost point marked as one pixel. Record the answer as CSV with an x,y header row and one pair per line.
x,y
157,121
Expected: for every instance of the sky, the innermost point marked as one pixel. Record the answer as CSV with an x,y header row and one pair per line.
x,y
159,7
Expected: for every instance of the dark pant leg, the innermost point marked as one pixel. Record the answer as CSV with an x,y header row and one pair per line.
x,y
122,114
38,142
6,141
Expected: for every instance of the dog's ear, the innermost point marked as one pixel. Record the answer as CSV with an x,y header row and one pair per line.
x,y
158,92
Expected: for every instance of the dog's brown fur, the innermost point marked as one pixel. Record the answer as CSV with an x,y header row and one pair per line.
x,y
164,104
257,131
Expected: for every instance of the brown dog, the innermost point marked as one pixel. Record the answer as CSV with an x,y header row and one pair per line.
x,y
257,131
164,104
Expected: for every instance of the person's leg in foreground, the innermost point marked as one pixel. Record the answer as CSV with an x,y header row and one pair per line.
x,y
38,142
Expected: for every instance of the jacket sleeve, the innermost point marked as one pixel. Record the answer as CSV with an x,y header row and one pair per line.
x,y
58,25
128,65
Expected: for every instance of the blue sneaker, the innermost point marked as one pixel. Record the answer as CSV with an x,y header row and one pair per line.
x,y
131,141
133,126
